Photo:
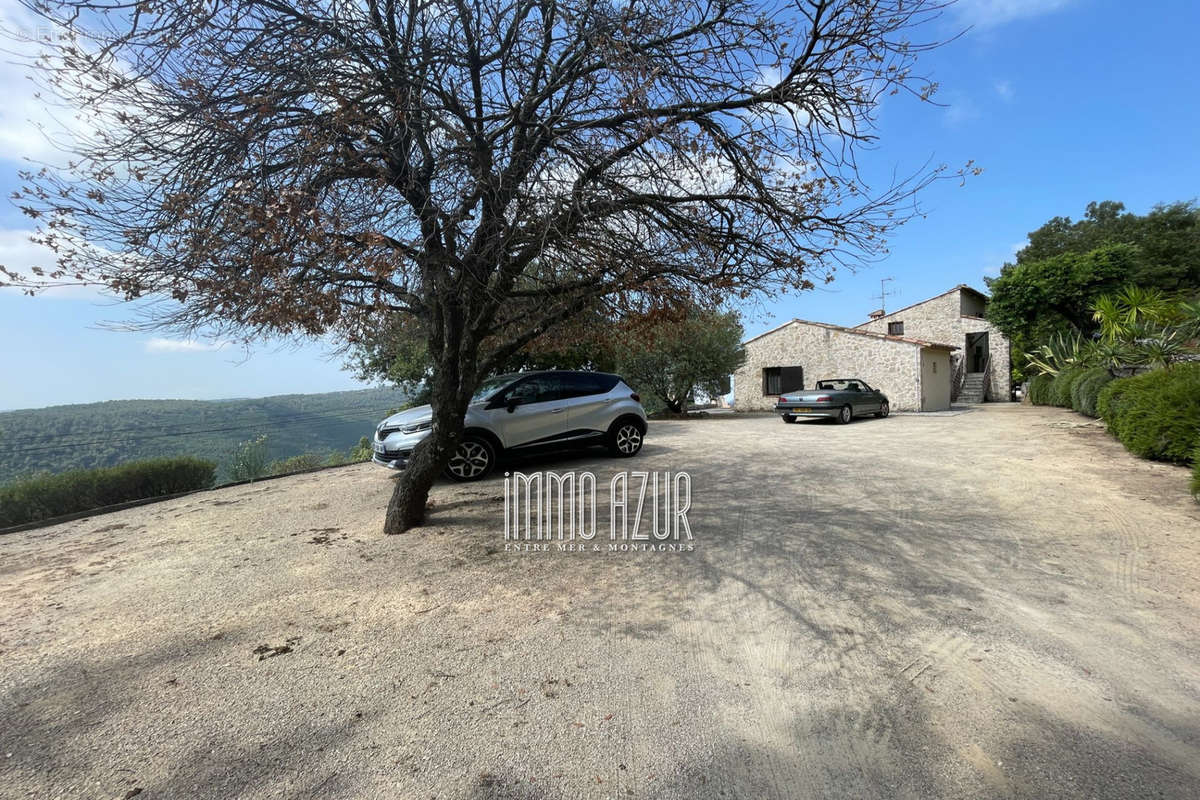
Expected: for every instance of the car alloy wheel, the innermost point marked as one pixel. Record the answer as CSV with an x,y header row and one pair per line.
x,y
625,439
472,460
845,415
884,410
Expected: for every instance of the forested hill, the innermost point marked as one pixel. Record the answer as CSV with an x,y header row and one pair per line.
x,y
59,438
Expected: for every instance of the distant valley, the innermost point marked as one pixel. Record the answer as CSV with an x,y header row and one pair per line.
x,y
61,438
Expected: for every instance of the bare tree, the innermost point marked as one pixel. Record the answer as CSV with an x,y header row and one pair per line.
x,y
300,166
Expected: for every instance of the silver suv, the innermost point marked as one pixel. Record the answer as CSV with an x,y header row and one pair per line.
x,y
522,412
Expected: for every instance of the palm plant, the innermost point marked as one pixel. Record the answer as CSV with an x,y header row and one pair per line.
x,y
1145,327
1159,346
1120,315
1063,351
1189,312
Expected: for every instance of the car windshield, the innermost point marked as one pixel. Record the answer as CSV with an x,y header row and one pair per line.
x,y
492,385
842,384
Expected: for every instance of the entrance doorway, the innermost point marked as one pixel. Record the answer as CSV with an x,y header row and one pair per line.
x,y
976,351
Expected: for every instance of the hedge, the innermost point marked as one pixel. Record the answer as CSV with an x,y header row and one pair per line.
x,y
46,496
1196,474
1156,414
1086,389
1060,387
1039,389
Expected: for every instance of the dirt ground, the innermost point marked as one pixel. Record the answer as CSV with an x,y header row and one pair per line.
x,y
1000,603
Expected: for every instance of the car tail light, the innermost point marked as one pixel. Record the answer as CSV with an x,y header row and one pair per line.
x,y
635,397
823,398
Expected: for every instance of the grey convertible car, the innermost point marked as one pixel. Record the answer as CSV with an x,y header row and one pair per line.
x,y
842,399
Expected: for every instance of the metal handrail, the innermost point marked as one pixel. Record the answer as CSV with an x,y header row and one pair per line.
x,y
961,377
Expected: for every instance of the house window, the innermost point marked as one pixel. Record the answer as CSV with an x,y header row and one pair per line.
x,y
895,329
935,368
778,380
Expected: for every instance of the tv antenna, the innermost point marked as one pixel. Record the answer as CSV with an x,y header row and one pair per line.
x,y
884,294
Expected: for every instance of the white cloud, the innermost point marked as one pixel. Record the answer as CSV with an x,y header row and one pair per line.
x,y
159,345
25,118
20,254
1005,90
992,13
960,109
35,122
995,263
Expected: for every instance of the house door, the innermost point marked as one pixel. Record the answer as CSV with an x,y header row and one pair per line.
x,y
976,351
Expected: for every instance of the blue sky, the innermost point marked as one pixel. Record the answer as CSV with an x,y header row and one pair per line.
x,y
1060,101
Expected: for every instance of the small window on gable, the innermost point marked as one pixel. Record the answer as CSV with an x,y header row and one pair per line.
x,y
895,329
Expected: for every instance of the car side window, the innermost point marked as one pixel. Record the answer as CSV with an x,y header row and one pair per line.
x,y
537,389
583,384
527,391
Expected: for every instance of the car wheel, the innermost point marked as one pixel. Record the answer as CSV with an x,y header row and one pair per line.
x,y
845,415
625,438
472,461
789,419
883,411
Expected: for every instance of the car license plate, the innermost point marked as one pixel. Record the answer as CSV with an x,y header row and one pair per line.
x,y
800,410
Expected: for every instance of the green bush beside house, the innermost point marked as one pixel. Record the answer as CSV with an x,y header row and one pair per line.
x,y
1157,414
1039,389
46,496
1060,387
1196,474
1086,390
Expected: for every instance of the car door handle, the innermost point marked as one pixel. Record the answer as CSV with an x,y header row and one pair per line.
x,y
557,410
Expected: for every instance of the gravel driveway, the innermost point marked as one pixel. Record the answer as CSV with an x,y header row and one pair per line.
x,y
1000,603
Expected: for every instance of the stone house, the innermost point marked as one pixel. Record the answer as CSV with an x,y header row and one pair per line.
x,y
982,362
915,374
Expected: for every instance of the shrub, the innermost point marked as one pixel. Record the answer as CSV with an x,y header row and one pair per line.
x,y
1156,414
249,460
295,464
1086,389
1060,387
1196,474
45,496
1039,389
362,451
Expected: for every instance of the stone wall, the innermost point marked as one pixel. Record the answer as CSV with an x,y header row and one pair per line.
x,y
941,319
892,367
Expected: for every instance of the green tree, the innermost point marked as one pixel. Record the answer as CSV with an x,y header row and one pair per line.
x,y
396,352
672,356
1068,264
1167,238
488,169
1032,301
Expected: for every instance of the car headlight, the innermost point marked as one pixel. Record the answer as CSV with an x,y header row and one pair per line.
x,y
420,426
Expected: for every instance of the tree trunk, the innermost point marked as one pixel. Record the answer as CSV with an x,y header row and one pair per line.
x,y
406,509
